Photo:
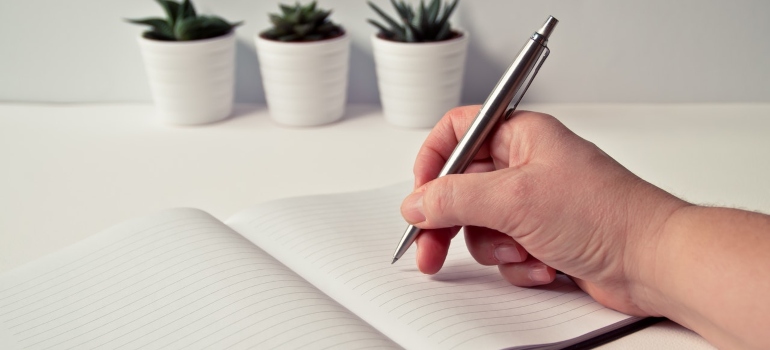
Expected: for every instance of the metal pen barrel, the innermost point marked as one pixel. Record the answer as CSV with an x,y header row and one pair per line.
x,y
489,115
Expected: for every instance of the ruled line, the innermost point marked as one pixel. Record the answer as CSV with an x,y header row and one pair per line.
x,y
57,271
94,266
344,244
167,281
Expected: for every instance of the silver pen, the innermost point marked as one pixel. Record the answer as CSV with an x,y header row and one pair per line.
x,y
531,57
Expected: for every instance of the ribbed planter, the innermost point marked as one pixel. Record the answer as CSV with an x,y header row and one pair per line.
x,y
192,82
419,82
305,82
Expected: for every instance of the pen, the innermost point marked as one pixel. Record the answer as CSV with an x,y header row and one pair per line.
x,y
532,55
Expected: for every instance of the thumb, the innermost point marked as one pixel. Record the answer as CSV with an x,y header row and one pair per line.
x,y
489,199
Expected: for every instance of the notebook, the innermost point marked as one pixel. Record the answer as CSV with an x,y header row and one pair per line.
x,y
307,272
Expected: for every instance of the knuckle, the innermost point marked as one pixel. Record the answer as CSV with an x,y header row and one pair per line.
x,y
528,122
438,200
511,273
517,190
455,112
519,185
462,112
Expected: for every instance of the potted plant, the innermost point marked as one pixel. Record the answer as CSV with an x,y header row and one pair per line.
x,y
419,60
190,62
303,59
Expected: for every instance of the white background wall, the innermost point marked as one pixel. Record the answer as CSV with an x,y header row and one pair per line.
x,y
602,51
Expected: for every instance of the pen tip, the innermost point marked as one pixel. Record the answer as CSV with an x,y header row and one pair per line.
x,y
548,26
394,261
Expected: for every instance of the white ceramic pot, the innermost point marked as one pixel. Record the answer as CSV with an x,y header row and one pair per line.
x,y
305,82
192,82
419,82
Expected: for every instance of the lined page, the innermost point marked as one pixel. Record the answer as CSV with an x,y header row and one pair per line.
x,y
179,279
343,244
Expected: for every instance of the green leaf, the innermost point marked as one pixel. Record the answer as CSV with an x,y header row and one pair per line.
x,y
280,22
393,24
444,19
327,27
450,8
419,20
172,10
401,8
183,23
416,33
275,19
300,22
433,8
286,9
309,8
388,33
293,17
444,33
159,27
201,27
410,37
411,31
303,29
423,22
409,12
406,17
319,17
289,37
383,30
186,10
155,36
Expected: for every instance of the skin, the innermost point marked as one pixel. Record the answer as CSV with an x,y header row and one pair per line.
x,y
539,198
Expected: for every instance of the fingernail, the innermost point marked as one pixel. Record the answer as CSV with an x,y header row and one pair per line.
x,y
507,253
413,208
539,273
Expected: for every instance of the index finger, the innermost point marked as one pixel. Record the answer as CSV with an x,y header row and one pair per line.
x,y
442,140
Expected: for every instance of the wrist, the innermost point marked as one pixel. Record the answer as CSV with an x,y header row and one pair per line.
x,y
646,250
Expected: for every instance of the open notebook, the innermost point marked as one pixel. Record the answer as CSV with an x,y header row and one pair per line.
x,y
308,272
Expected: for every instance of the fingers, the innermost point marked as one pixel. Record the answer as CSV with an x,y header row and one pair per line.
x,y
528,135
490,247
531,272
432,248
442,141
488,199
502,200
480,166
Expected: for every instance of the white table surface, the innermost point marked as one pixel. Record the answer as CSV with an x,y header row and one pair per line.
x,y
69,171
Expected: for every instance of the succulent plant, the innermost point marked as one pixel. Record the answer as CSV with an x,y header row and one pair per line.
x,y
182,23
428,23
302,23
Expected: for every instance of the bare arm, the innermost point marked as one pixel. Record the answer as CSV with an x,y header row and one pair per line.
x,y
539,198
710,272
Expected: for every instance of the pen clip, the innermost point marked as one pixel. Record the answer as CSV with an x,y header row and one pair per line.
x,y
542,58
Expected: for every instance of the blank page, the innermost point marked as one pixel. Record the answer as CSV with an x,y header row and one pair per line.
x,y
343,244
178,279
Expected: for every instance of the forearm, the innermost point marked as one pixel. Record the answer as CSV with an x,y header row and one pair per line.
x,y
711,273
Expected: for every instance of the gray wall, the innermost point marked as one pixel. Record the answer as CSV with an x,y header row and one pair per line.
x,y
602,51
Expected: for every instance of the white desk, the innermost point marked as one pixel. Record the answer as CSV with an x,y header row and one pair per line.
x,y
69,171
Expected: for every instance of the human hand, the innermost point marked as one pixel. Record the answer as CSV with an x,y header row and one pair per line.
x,y
538,198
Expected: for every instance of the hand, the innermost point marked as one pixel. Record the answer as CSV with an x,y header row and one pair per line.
x,y
538,198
